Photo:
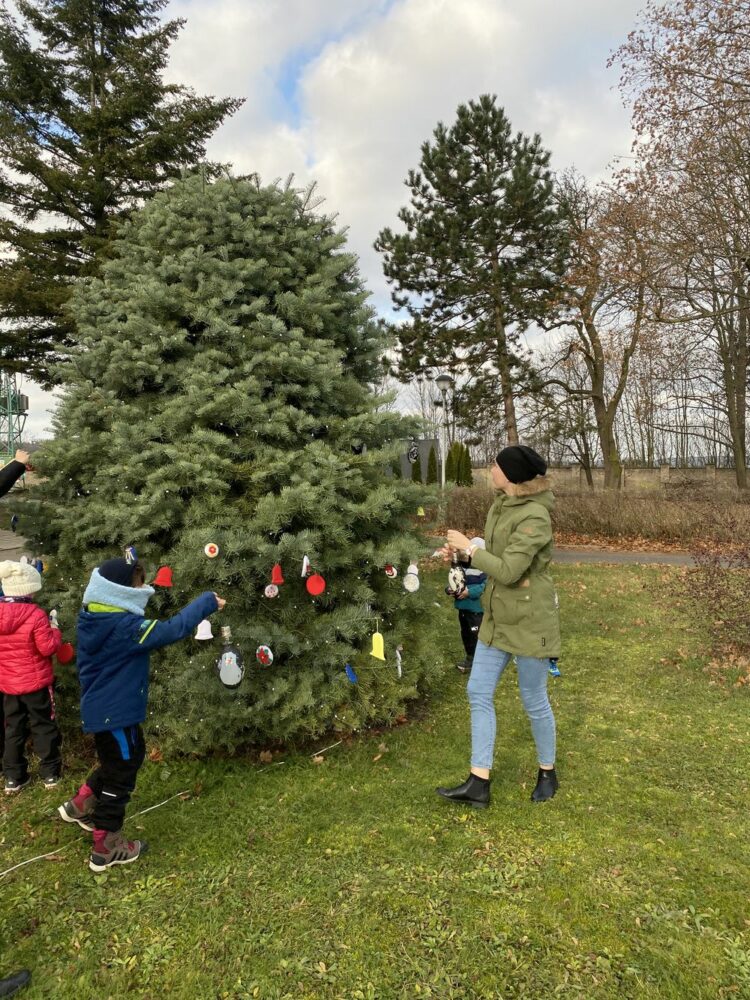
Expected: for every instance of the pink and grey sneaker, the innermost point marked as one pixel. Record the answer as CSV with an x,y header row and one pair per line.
x,y
113,849
80,809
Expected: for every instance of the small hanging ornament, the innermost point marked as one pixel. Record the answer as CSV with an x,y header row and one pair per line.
x,y
305,567
230,664
390,571
456,578
163,577
420,512
399,651
271,590
315,585
350,673
203,631
211,550
264,656
65,653
38,565
378,650
411,578
131,556
277,577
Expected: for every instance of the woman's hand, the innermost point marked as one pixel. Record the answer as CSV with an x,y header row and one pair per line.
x,y
220,601
457,541
446,553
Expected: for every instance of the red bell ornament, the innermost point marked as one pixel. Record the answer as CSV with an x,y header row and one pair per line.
x,y
163,577
277,577
315,585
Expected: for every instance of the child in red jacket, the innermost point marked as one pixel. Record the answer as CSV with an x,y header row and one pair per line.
x,y
27,644
9,476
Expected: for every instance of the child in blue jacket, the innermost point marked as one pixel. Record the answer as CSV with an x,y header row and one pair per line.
x,y
469,607
115,640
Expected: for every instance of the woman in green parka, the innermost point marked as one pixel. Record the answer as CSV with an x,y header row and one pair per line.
x,y
521,618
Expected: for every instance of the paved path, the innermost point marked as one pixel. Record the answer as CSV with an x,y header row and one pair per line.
x,y
12,546
573,554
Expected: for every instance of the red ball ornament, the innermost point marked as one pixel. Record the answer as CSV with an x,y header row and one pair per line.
x,y
65,653
315,585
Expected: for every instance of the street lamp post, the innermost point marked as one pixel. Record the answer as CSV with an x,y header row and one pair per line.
x,y
444,383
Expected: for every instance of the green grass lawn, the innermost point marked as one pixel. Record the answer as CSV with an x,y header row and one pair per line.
x,y
351,879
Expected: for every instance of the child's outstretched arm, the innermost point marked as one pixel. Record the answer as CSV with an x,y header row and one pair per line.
x,y
12,472
152,634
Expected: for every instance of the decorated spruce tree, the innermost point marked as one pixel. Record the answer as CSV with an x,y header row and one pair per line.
x,y
221,396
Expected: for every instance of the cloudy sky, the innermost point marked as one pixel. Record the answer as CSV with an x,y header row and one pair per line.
x,y
344,91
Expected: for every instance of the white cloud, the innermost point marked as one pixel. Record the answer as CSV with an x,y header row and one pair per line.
x,y
345,91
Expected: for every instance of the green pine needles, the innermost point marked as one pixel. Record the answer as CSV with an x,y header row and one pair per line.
x,y
224,373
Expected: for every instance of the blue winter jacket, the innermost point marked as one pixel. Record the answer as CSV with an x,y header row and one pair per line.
x,y
113,660
475,584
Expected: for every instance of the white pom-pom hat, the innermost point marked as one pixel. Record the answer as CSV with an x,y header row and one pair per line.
x,y
19,579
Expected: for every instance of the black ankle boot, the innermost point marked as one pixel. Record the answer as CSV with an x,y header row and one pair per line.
x,y
546,785
474,792
14,983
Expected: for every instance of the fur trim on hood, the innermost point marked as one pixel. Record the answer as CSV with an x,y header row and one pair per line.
x,y
531,488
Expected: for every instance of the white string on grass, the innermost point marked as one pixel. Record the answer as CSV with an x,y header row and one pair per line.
x,y
40,857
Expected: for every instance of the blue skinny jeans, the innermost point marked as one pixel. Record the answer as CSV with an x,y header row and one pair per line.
x,y
489,664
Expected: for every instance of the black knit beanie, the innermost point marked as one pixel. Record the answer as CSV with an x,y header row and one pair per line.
x,y
117,571
520,463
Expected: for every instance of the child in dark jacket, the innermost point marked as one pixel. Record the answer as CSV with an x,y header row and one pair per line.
x,y
115,640
27,644
469,607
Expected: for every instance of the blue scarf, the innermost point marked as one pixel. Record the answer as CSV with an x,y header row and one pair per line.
x,y
103,591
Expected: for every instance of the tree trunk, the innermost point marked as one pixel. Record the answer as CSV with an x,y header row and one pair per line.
x,y
506,382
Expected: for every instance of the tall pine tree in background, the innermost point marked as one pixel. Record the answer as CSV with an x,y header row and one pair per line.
x,y
466,475
88,129
220,393
432,467
480,257
450,465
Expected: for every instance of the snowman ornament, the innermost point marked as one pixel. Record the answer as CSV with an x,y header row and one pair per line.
x,y
411,578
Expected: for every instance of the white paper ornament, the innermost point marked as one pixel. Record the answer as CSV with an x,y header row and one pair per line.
x,y
271,590
411,578
305,566
211,550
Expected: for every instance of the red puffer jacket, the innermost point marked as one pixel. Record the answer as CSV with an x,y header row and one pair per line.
x,y
27,642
